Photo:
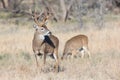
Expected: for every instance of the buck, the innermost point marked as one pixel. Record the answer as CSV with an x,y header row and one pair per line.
x,y
77,45
44,42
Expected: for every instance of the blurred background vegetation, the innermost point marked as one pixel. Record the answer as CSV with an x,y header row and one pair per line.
x,y
80,11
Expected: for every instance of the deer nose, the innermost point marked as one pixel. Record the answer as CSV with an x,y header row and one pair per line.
x,y
49,33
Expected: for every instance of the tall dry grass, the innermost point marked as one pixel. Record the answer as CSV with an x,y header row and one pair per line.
x,y
17,61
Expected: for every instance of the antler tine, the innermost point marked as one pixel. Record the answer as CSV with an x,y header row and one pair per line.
x,y
36,19
46,16
40,13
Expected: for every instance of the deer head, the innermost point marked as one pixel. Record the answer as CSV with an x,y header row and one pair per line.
x,y
40,27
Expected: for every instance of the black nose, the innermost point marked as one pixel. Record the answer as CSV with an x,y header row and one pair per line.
x,y
50,33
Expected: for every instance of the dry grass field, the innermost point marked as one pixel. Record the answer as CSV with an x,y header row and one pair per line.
x,y
17,61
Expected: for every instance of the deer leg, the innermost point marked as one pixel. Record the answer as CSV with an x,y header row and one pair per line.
x,y
87,51
73,54
82,53
57,61
64,56
44,58
40,55
35,53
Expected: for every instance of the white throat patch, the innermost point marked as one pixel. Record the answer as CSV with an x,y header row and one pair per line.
x,y
41,37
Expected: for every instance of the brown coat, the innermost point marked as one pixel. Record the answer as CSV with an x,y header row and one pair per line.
x,y
74,45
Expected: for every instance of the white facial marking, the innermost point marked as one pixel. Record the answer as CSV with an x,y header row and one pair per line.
x,y
47,33
41,37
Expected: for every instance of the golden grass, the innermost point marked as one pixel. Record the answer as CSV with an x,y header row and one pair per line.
x,y
17,61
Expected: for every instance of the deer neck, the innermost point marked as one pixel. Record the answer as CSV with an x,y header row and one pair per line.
x,y
39,37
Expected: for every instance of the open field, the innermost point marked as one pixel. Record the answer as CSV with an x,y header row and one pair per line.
x,y
17,61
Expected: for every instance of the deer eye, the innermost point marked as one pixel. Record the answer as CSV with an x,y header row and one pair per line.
x,y
42,29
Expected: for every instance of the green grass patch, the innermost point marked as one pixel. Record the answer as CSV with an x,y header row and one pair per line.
x,y
5,15
26,56
5,56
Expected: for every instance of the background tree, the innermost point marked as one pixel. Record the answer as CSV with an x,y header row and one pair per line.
x,y
65,10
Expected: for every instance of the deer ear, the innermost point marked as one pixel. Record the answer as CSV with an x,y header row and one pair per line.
x,y
35,26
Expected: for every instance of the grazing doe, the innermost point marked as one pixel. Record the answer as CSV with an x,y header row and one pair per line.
x,y
77,45
44,42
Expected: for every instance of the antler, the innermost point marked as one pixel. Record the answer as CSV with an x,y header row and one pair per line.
x,y
46,16
36,19
35,16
